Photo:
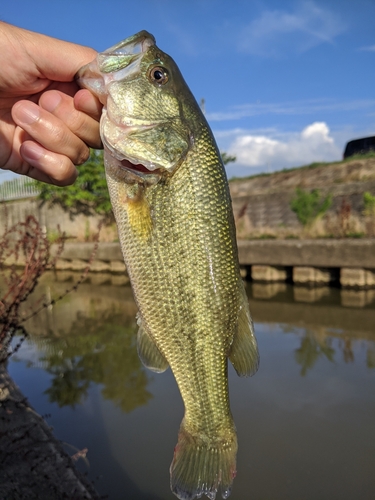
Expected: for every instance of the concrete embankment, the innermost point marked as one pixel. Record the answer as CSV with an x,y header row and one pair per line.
x,y
349,262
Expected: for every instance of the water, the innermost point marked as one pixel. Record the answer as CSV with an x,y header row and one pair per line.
x,y
305,421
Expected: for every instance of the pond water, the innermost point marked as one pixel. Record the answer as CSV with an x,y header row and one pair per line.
x,y
305,421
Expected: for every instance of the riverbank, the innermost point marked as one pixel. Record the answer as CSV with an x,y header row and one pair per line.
x,y
33,463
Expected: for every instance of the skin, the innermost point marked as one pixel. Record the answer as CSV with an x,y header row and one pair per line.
x,y
47,124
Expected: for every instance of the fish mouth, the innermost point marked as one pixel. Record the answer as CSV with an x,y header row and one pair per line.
x,y
113,143
131,170
138,168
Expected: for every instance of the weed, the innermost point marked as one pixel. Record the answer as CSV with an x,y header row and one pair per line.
x,y
24,256
369,202
309,206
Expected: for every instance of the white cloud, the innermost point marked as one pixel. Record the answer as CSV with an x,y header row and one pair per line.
x,y
278,32
369,48
261,152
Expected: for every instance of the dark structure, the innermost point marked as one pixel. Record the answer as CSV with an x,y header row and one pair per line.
x,y
359,146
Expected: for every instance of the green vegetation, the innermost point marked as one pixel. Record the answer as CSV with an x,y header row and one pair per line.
x,y
227,158
309,206
88,195
369,202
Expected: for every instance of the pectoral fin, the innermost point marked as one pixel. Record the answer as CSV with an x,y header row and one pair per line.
x,y
244,354
148,352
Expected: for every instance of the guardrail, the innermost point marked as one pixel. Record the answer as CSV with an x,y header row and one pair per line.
x,y
18,188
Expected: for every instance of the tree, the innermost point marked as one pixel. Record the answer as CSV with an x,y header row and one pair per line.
x,y
88,195
227,158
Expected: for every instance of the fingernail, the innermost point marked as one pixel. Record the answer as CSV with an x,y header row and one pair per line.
x,y
32,152
50,101
28,113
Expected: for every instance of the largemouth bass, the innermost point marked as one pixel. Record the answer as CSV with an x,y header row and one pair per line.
x,y
172,206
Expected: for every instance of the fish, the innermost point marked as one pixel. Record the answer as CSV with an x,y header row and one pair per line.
x,y
170,197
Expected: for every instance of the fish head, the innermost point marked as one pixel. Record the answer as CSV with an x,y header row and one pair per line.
x,y
146,104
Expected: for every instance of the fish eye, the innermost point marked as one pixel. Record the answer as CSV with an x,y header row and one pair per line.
x,y
159,75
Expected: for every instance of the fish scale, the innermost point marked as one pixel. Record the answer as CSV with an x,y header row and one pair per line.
x,y
177,235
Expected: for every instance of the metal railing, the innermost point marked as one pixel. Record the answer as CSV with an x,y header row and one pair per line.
x,y
18,188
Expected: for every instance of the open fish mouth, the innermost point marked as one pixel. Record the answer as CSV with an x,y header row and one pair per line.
x,y
133,166
116,135
139,168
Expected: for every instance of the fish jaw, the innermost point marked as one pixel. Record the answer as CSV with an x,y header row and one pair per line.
x,y
116,63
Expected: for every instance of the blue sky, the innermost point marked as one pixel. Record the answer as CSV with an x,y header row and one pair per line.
x,y
285,83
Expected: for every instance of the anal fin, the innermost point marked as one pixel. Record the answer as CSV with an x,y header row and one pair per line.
x,y
244,354
148,352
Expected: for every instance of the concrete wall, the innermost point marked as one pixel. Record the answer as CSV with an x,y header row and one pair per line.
x,y
78,227
258,214
261,204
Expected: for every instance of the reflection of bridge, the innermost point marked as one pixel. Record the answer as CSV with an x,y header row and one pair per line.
x,y
280,303
328,319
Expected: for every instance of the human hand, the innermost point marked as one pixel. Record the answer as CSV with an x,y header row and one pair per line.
x,y
46,123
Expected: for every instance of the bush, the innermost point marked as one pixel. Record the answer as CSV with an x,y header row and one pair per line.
x,y
88,195
369,202
309,206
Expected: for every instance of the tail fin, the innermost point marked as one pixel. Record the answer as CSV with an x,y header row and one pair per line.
x,y
200,465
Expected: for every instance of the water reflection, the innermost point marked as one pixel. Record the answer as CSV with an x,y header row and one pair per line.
x,y
100,350
307,413
318,316
88,338
311,350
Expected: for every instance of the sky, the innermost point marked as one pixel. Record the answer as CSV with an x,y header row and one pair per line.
x,y
285,83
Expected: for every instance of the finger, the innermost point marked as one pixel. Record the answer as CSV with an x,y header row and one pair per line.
x,y
43,165
86,102
49,131
80,123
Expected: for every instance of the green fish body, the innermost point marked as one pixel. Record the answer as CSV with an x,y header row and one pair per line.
x,y
172,206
